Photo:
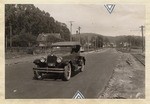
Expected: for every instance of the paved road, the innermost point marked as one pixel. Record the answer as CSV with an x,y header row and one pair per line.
x,y
98,70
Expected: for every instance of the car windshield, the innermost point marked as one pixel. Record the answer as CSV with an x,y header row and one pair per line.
x,y
61,50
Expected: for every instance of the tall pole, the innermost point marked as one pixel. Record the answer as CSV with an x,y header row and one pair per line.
x,y
88,42
79,28
129,43
142,27
71,30
76,35
10,34
95,43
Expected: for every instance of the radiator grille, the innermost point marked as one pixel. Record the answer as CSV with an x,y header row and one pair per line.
x,y
51,59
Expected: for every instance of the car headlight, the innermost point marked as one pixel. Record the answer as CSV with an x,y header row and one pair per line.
x,y
59,59
42,59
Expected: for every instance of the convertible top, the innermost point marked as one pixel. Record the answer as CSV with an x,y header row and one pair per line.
x,y
65,44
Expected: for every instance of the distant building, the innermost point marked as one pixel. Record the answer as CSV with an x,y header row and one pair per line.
x,y
124,44
46,39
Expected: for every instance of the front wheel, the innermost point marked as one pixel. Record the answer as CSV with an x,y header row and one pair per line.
x,y
67,72
37,76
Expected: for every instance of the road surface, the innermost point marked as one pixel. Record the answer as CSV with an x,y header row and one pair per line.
x,y
98,70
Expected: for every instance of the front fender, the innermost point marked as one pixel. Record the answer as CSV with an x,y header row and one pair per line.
x,y
39,63
66,62
36,61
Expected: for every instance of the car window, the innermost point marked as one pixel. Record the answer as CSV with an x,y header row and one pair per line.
x,y
61,50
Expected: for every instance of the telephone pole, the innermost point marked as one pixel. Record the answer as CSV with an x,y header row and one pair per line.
x,y
95,42
71,30
10,34
79,28
88,42
142,27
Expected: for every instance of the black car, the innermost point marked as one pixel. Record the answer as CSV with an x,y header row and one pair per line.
x,y
64,59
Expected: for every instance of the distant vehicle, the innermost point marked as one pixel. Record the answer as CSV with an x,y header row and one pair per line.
x,y
64,59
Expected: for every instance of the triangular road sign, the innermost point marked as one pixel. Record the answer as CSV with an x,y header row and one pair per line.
x,y
78,95
110,7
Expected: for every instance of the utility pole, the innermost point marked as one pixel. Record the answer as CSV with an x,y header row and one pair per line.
x,y
142,27
76,35
88,42
79,28
95,42
10,34
129,43
71,30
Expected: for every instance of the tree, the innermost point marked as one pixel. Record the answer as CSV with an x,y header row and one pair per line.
x,y
29,21
132,41
24,39
99,41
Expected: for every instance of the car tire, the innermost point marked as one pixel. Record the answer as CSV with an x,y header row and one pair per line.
x,y
37,76
82,66
67,72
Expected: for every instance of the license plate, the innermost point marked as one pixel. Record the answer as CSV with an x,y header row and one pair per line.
x,y
51,64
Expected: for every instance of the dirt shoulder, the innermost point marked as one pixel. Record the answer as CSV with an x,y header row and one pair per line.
x,y
28,58
128,80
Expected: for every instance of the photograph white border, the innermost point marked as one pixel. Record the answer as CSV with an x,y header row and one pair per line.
x,y
72,101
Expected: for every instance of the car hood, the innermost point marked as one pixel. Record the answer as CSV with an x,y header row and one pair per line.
x,y
65,57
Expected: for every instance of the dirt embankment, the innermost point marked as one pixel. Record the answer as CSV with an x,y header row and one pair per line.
x,y
128,80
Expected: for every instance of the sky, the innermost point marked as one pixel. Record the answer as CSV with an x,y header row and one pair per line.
x,y
125,19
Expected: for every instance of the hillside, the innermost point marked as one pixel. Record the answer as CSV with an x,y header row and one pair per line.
x,y
112,39
86,35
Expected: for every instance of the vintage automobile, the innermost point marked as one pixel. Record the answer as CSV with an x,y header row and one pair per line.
x,y
63,59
